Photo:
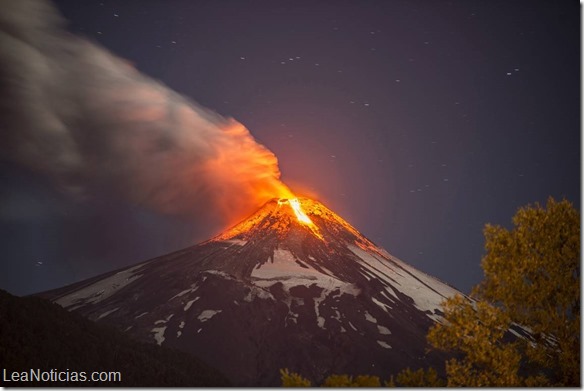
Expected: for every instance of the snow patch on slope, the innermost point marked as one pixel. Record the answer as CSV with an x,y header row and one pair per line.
x,y
384,344
101,289
238,242
219,273
107,313
284,268
208,314
383,330
159,334
190,303
383,306
141,315
257,291
319,319
427,292
370,317
193,288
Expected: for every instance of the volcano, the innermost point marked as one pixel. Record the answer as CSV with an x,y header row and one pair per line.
x,y
292,286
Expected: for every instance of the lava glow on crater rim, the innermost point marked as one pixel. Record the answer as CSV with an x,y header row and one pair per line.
x,y
297,208
300,215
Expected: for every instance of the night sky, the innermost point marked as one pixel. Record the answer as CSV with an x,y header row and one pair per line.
x,y
416,121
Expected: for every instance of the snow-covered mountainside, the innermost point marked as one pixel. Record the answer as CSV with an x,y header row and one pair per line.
x,y
293,286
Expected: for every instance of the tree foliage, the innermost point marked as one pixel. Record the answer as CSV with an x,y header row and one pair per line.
x,y
476,330
349,381
531,279
292,379
420,378
533,273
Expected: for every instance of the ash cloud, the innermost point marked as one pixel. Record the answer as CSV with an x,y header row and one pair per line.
x,y
73,111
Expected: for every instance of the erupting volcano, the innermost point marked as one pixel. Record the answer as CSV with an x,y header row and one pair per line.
x,y
292,286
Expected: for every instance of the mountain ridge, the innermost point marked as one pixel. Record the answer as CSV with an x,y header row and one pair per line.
x,y
293,285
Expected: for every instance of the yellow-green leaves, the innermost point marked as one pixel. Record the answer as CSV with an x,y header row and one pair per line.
x,y
532,277
533,273
291,379
475,330
419,378
349,381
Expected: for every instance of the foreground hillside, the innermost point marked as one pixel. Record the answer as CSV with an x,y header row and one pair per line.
x,y
37,334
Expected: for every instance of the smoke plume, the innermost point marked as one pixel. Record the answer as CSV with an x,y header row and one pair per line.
x,y
72,110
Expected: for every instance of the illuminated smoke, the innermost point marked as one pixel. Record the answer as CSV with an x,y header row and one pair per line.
x,y
72,110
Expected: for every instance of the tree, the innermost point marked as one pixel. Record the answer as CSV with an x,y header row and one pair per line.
x,y
292,379
476,330
532,275
420,378
349,381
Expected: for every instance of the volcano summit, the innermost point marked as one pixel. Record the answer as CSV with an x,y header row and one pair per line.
x,y
292,286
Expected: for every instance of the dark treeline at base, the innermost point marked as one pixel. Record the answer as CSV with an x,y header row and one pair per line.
x,y
37,334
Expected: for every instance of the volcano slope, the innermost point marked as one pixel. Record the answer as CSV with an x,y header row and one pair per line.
x,y
293,286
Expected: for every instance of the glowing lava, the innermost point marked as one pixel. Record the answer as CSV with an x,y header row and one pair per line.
x,y
280,215
300,215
